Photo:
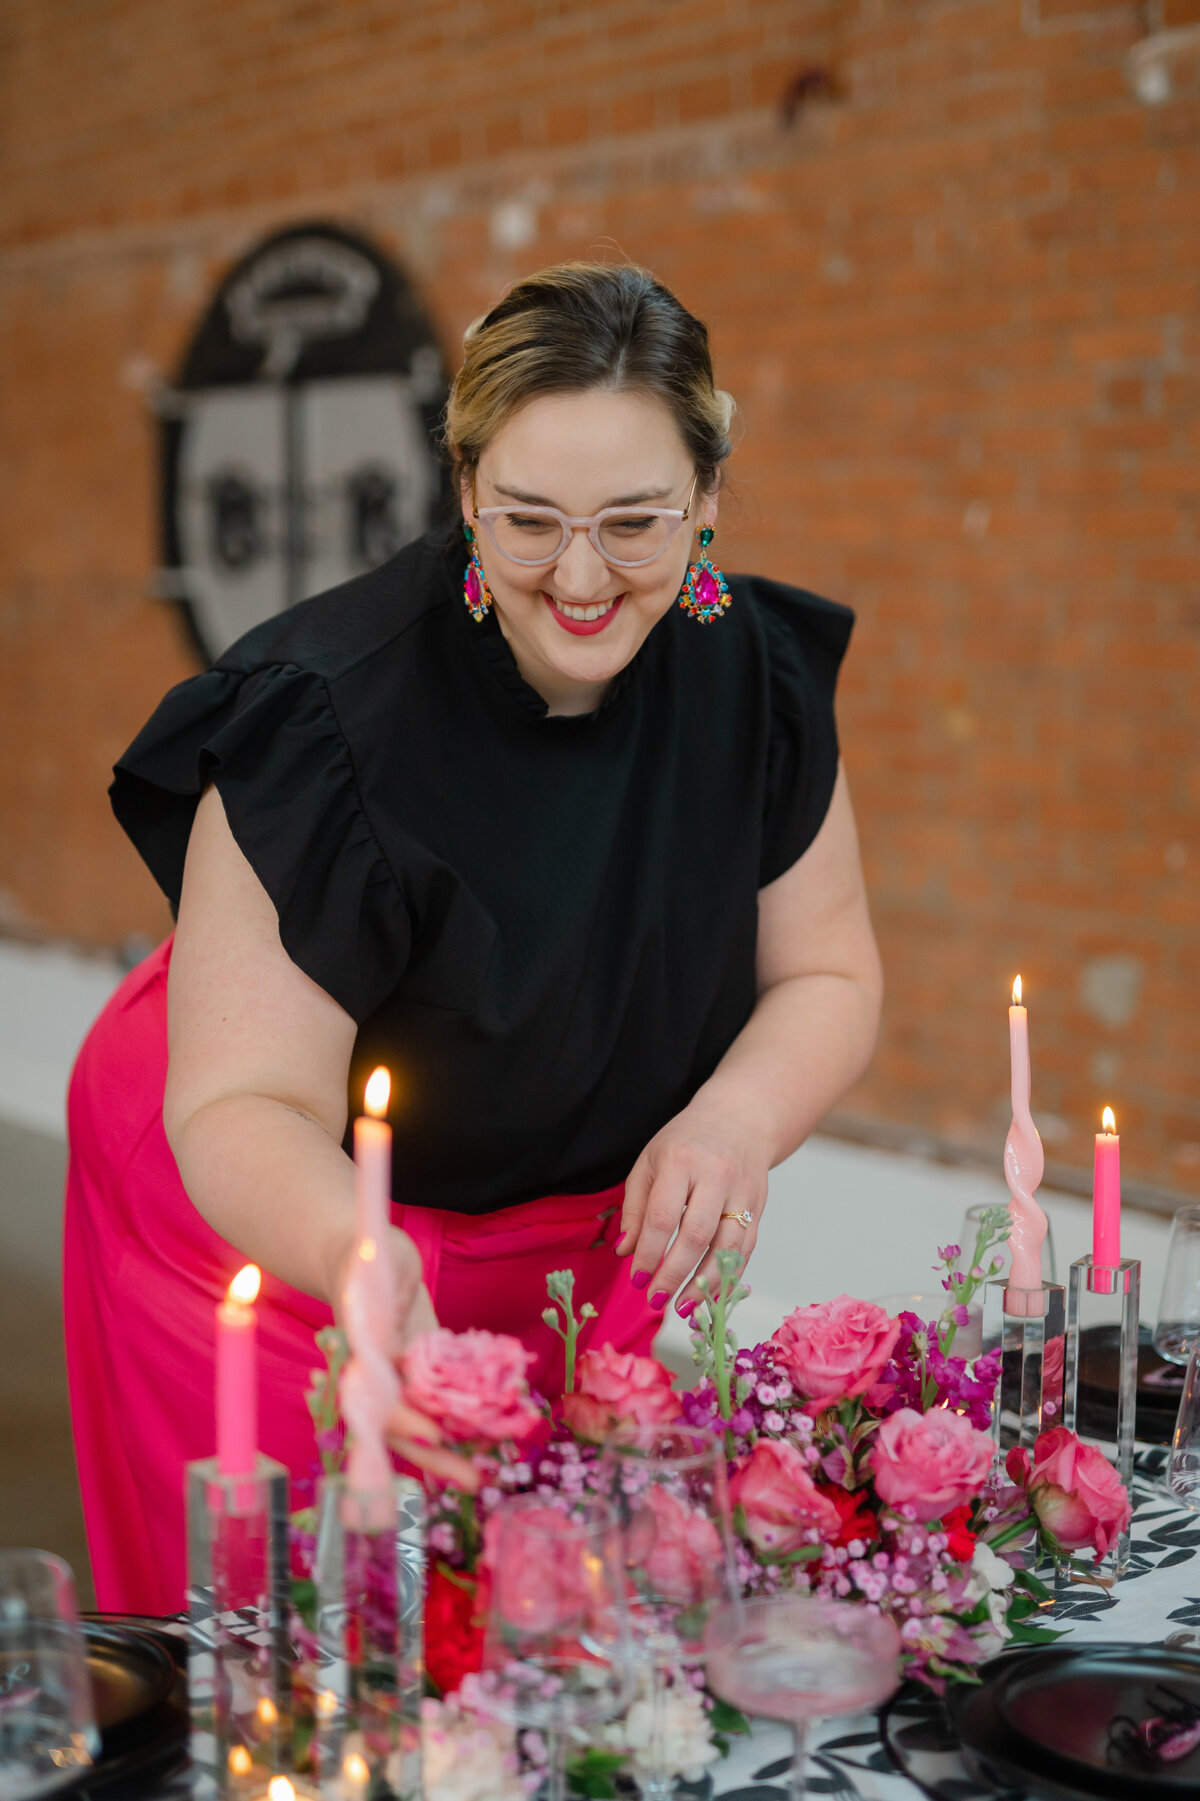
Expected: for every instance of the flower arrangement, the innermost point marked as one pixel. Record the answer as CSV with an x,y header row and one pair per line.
x,y
858,1461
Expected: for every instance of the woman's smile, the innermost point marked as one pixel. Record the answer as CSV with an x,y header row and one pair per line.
x,y
583,621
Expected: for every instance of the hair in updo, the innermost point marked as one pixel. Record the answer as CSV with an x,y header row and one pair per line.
x,y
588,325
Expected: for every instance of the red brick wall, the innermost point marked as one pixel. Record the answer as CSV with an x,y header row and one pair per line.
x,y
959,304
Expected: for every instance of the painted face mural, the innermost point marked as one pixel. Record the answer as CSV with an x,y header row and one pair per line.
x,y
298,440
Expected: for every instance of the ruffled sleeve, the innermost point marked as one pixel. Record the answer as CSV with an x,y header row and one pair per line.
x,y
270,742
806,639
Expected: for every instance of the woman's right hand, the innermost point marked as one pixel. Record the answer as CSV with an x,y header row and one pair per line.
x,y
417,1439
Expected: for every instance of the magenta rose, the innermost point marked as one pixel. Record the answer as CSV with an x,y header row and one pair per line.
x,y
780,1500
930,1462
834,1350
471,1384
677,1546
1074,1490
539,1581
616,1388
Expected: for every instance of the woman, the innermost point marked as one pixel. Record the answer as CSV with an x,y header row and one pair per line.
x,y
575,861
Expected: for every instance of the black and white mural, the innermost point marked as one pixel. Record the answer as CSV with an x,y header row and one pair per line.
x,y
298,441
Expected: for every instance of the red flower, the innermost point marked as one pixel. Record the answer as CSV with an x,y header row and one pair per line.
x,y
957,1526
454,1623
856,1520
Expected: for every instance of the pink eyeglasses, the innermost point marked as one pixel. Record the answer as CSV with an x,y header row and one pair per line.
x,y
534,536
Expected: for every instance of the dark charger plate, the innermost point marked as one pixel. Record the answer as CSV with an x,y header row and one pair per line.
x,y
139,1689
1159,1386
1048,1720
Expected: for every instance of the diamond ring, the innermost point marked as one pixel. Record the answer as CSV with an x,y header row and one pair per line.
x,y
744,1218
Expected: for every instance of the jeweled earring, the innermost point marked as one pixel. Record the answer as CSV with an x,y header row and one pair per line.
x,y
705,594
476,592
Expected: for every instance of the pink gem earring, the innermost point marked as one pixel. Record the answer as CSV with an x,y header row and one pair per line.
x,y
705,594
476,592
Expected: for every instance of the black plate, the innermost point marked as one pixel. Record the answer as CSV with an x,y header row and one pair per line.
x,y
1160,1385
1042,1719
146,1743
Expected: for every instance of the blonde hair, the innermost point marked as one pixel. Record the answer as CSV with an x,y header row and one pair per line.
x,y
588,325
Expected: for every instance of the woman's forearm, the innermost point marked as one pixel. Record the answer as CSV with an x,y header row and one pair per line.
x,y
808,1040
271,1180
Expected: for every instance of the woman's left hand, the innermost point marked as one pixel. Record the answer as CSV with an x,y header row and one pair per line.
x,y
701,1165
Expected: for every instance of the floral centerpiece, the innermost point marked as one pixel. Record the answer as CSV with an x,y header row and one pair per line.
x,y
860,1465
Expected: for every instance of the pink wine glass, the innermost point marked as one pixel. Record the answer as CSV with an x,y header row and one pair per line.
x,y
800,1658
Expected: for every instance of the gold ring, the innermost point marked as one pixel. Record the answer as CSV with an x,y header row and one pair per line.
x,y
744,1218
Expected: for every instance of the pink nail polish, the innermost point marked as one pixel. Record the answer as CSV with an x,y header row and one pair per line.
x,y
686,1309
640,1278
659,1299
620,1241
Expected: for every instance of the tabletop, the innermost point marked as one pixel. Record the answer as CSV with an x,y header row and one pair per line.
x,y
908,1749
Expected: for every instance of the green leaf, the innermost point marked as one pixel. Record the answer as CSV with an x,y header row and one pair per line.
x,y
1035,1635
593,1773
304,1600
726,1718
1036,1587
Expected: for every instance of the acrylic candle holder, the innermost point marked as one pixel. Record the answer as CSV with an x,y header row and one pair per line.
x,y
1103,1294
370,1578
1028,1326
239,1660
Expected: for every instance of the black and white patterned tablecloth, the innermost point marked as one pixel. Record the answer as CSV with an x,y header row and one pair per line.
x,y
910,1750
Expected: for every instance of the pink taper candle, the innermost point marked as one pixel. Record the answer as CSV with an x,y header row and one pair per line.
x,y
237,1375
1106,1195
369,1386
1024,1159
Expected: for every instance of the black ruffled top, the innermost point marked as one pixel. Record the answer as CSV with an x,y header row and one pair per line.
x,y
544,926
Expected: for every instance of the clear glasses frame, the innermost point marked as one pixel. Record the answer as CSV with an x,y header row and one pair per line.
x,y
673,517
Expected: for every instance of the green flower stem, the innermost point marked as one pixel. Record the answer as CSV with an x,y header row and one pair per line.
x,y
560,1286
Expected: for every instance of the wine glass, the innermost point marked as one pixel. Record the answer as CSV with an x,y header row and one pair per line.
x,y
1178,1328
557,1643
800,1658
670,1488
48,1731
1183,1464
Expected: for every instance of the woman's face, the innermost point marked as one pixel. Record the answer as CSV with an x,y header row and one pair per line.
x,y
581,453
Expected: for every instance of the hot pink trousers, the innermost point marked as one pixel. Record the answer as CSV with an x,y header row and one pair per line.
x,y
143,1273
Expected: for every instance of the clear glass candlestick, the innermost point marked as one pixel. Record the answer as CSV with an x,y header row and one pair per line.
x,y
1028,1326
239,1660
1099,1294
370,1578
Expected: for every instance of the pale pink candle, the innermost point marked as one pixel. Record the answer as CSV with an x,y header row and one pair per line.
x,y
237,1375
370,1387
1024,1159
1106,1195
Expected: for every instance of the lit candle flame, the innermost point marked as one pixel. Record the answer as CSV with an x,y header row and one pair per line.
x,y
280,1789
243,1290
378,1093
1108,1120
356,1769
267,1711
240,1761
327,1703
1017,992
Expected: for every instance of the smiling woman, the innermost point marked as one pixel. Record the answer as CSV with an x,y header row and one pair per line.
x,y
499,816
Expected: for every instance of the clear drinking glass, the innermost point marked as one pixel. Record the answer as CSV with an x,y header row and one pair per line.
x,y
800,1658
1183,1464
1178,1328
47,1726
557,1643
670,1489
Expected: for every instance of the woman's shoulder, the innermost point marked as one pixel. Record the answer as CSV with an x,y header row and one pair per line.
x,y
791,620
336,631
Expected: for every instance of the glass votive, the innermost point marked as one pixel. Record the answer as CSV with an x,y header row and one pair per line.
x,y
1178,1328
1183,1465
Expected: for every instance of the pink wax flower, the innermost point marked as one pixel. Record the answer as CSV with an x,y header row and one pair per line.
x,y
835,1349
930,1462
618,1389
472,1384
540,1583
780,1500
1074,1490
677,1546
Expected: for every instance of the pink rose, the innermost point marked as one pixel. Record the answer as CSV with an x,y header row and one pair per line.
x,y
780,1500
678,1547
835,1349
1074,1490
471,1384
618,1389
930,1462
539,1580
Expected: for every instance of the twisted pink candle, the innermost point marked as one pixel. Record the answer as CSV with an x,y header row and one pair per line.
x,y
1024,1163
